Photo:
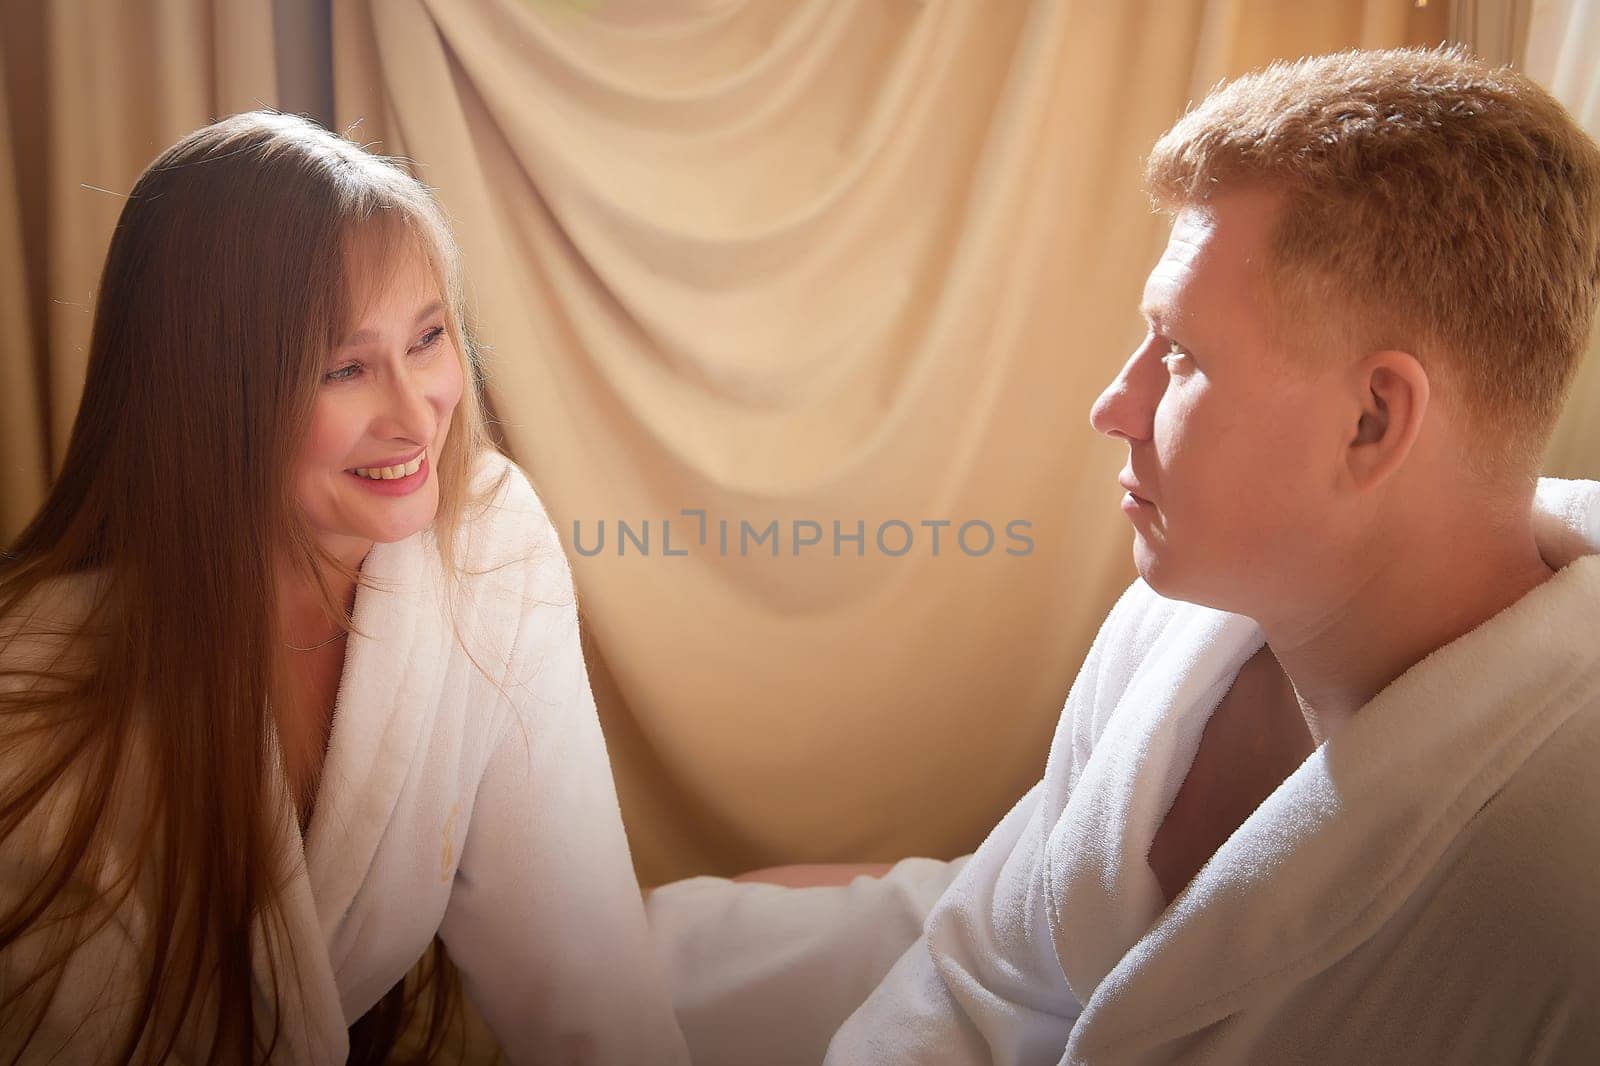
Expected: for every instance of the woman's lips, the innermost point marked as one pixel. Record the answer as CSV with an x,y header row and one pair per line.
x,y
400,486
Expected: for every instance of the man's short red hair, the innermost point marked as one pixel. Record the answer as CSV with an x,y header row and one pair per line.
x,y
1431,203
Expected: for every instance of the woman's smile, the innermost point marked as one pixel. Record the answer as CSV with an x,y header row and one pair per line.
x,y
399,480
389,471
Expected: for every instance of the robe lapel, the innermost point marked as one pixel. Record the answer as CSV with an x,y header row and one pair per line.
x,y
1103,895
394,670
1349,836
302,993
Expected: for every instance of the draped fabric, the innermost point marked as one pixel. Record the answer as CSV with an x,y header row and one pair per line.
x,y
93,92
1563,54
823,274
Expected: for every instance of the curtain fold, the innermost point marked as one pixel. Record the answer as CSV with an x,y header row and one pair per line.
x,y
23,464
106,87
737,265
1563,54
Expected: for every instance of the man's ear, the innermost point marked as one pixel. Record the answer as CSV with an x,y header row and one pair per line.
x,y
1391,391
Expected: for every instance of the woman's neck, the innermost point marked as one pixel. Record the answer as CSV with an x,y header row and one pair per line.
x,y
303,615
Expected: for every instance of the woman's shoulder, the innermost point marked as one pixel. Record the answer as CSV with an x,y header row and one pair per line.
x,y
506,531
48,620
65,598
504,497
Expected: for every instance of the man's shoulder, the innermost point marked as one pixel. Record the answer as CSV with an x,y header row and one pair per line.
x,y
1529,858
1142,621
1142,610
1144,630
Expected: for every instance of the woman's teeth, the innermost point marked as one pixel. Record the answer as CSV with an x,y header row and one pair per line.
x,y
389,473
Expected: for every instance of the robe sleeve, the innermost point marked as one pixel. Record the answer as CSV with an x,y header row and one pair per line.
x,y
765,974
545,919
83,1003
92,1007
982,983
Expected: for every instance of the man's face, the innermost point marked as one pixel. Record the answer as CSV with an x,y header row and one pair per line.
x,y
366,471
1233,437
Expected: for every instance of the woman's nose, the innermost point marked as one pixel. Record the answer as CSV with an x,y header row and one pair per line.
x,y
407,412
1127,407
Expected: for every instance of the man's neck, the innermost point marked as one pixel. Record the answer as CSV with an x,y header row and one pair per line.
x,y
1409,605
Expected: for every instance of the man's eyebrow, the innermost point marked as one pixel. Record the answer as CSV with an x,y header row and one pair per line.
x,y
367,336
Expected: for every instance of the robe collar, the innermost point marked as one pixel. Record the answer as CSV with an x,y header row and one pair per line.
x,y
395,662
1334,851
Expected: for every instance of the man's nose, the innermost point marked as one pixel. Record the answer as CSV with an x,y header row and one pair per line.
x,y
1127,407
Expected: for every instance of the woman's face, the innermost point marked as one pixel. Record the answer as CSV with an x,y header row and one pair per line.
x,y
366,471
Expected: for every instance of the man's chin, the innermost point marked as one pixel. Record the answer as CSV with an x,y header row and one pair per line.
x,y
1155,577
1201,589
1157,569
1146,559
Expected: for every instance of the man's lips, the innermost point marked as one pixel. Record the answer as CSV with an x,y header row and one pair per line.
x,y
1132,488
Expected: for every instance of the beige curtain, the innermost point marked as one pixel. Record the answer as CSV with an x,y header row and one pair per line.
x,y
839,262
1563,53
820,261
23,444
93,90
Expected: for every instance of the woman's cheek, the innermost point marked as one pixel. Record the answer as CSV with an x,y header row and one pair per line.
x,y
330,436
447,393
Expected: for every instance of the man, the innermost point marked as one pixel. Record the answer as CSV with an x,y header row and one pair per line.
x,y
1325,789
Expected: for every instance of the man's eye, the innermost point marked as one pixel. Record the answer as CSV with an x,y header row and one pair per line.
x,y
344,373
1174,354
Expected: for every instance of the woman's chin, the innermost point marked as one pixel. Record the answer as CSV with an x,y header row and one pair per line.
x,y
395,520
393,527
395,532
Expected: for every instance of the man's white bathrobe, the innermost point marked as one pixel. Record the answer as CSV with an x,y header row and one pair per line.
x,y
1424,888
446,807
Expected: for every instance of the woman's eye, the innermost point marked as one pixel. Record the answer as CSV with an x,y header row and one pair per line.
x,y
349,371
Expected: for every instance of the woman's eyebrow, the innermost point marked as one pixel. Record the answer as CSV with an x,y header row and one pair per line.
x,y
367,336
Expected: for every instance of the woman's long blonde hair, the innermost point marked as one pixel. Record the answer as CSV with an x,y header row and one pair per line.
x,y
229,278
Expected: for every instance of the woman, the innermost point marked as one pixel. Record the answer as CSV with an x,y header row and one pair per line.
x,y
290,682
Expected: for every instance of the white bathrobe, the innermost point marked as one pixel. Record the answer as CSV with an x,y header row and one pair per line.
x,y
448,808
1424,888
